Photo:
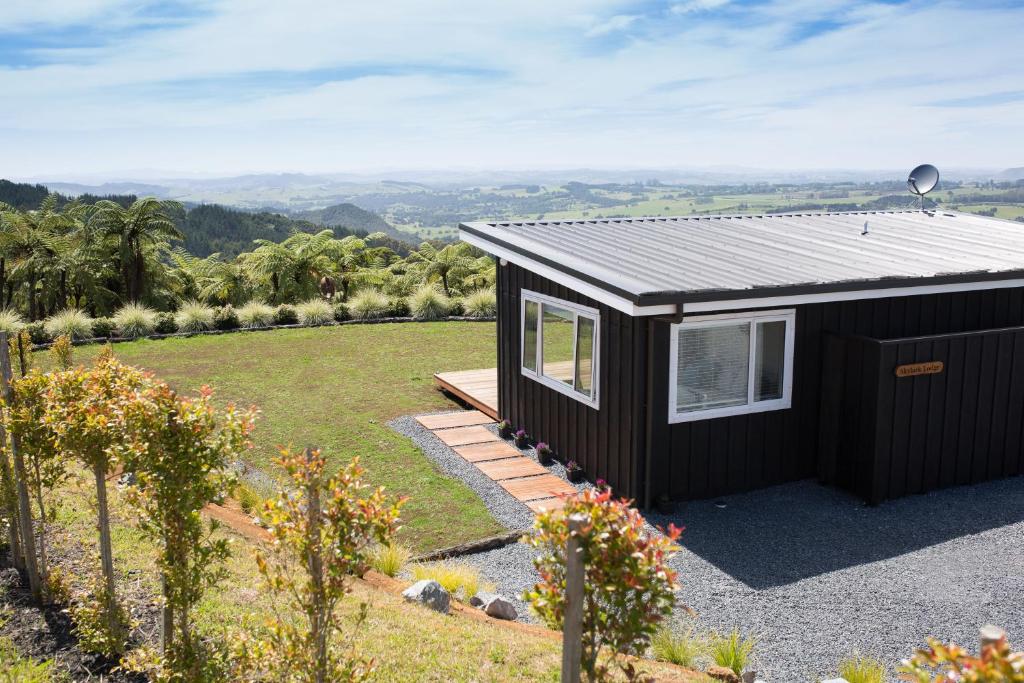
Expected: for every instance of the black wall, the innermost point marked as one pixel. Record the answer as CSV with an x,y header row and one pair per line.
x,y
604,441
709,458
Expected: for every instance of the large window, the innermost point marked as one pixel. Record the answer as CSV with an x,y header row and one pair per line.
x,y
730,364
560,345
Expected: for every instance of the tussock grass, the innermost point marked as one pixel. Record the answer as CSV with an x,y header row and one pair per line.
x,y
18,669
71,322
315,312
11,322
684,649
732,650
367,304
194,316
857,669
389,559
458,578
480,303
135,320
429,303
256,314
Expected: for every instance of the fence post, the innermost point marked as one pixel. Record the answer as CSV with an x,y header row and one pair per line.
x,y
572,627
20,480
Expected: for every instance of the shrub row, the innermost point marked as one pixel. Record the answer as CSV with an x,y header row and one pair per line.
x,y
135,320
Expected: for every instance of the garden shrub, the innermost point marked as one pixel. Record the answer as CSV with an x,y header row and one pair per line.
x,y
315,312
997,663
95,628
323,528
226,318
732,650
37,332
480,303
72,322
429,303
399,308
104,328
341,313
11,322
256,314
367,304
135,320
457,307
165,323
286,315
862,670
194,316
628,586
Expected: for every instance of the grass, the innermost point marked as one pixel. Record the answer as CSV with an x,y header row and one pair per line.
x,y
335,388
17,669
135,320
732,651
458,578
194,316
859,669
256,314
429,303
11,321
315,312
684,649
70,322
389,559
369,303
480,303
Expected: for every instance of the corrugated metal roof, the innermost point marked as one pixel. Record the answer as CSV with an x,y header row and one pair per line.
x,y
665,258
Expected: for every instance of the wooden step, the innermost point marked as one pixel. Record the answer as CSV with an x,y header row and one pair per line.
x,y
481,452
535,488
460,436
465,418
511,468
548,504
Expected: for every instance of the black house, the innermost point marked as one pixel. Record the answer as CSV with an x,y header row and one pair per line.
x,y
686,358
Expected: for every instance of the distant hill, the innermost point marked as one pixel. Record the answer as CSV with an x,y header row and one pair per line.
x,y
1012,174
352,217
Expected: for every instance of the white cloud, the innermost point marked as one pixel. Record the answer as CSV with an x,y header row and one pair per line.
x,y
615,23
697,6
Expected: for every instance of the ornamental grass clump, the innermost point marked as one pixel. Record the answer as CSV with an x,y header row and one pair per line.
x,y
389,558
315,312
628,585
256,314
194,316
429,303
135,320
480,303
732,651
71,322
682,649
11,322
368,304
458,578
859,669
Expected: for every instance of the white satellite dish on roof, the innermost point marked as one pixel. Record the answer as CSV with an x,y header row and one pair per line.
x,y
923,180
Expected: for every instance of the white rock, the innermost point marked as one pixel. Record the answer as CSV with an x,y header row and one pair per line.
x,y
430,593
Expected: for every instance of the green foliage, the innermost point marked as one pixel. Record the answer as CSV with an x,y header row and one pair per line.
x,y
859,669
389,558
732,650
480,303
135,320
226,318
17,669
286,315
315,312
37,332
628,587
399,308
323,531
458,578
368,304
429,303
165,323
194,316
682,649
102,625
939,663
341,313
11,321
180,450
62,352
255,314
104,327
72,322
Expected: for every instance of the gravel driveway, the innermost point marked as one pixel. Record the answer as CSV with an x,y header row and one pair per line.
x,y
815,574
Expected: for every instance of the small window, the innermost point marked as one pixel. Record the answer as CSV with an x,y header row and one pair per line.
x,y
560,345
730,365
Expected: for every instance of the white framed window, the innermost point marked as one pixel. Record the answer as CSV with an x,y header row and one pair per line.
x,y
561,343
731,364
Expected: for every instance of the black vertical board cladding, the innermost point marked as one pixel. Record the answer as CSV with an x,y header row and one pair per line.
x,y
936,422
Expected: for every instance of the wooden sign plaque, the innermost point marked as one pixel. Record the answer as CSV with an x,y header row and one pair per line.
x,y
932,367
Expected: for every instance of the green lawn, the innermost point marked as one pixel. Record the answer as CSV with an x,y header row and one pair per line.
x,y
335,388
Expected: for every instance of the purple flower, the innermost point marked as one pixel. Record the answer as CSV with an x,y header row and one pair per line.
x,y
520,433
541,446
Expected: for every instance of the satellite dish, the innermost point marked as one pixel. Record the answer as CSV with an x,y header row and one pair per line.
x,y
923,180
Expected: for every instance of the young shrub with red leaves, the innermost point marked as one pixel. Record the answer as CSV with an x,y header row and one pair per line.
x,y
940,663
628,585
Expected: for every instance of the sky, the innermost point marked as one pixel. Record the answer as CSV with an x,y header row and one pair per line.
x,y
219,87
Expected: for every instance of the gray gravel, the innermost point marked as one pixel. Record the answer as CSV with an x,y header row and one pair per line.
x,y
813,573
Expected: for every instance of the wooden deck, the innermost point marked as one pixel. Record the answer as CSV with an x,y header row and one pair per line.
x,y
478,388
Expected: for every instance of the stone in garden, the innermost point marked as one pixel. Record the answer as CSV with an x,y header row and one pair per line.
x,y
721,673
500,608
481,598
430,593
